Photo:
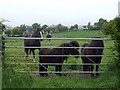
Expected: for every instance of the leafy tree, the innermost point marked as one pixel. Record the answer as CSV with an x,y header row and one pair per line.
x,y
66,28
51,28
85,27
112,28
16,31
89,25
29,29
8,32
22,29
98,25
35,26
74,27
45,27
71,27
59,28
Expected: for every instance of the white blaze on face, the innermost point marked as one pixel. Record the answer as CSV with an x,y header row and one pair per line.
x,y
41,34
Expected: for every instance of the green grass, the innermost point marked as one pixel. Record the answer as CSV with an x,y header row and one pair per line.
x,y
52,81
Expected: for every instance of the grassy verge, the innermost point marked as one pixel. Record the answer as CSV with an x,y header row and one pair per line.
x,y
17,80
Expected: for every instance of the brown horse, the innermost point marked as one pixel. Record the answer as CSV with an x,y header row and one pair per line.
x,y
57,59
49,36
92,60
33,43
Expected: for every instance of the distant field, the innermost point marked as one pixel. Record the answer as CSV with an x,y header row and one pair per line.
x,y
55,43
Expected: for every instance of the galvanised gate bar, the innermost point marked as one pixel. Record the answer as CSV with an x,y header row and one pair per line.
x,y
37,63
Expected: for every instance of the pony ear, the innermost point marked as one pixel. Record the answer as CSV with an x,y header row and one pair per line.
x,y
74,44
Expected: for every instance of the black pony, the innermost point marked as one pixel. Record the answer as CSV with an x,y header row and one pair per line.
x,y
92,60
33,43
57,59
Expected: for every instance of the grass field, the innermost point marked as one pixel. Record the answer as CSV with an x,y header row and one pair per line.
x,y
11,79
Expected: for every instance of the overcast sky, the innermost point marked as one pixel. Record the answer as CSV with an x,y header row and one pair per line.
x,y
66,12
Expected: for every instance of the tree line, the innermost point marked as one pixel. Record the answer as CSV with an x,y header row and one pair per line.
x,y
23,29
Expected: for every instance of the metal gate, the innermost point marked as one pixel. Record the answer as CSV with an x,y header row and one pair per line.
x,y
19,48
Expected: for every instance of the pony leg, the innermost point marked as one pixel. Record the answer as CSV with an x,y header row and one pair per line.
x,y
41,68
33,53
26,51
97,66
46,66
58,68
30,51
49,42
92,74
84,68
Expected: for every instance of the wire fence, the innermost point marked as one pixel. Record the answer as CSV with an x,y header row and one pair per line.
x,y
19,47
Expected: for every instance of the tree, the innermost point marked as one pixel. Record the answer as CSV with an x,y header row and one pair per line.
x,y
22,29
35,26
98,25
72,28
45,27
66,28
85,27
51,28
59,28
89,25
29,29
16,31
112,28
8,32
76,26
